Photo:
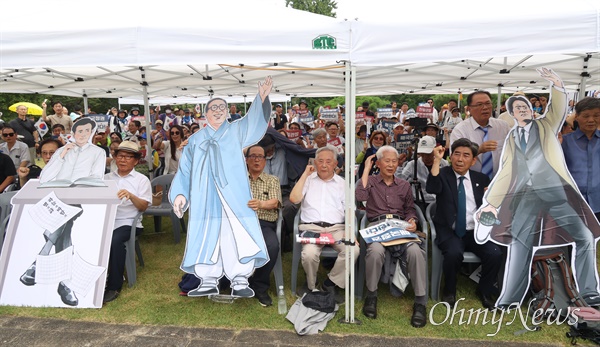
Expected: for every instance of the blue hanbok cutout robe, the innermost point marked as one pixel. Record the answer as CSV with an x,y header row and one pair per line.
x,y
212,172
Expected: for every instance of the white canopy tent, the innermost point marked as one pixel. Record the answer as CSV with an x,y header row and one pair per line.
x,y
447,50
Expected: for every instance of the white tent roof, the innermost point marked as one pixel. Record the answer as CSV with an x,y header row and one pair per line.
x,y
397,48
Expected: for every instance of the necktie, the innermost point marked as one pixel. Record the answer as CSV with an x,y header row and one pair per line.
x,y
461,212
523,142
487,165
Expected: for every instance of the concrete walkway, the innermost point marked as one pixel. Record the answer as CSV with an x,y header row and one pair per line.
x,y
25,331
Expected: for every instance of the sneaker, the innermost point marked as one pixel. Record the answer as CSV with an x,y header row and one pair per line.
x,y
264,299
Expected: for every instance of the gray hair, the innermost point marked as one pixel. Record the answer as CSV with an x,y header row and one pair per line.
x,y
319,132
384,149
327,148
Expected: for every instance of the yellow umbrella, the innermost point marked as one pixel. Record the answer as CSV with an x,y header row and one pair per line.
x,y
32,109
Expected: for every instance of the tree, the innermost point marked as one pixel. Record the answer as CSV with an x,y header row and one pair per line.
x,y
324,7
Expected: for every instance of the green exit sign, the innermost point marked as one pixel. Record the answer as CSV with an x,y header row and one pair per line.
x,y
324,42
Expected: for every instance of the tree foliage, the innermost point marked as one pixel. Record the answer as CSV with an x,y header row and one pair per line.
x,y
324,7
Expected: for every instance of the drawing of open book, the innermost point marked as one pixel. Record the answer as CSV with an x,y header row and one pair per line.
x,y
83,181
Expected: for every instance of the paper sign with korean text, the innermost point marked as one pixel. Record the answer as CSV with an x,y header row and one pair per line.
x,y
403,142
384,113
388,230
294,134
329,115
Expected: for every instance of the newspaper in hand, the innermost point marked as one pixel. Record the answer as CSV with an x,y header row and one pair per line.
x,y
387,230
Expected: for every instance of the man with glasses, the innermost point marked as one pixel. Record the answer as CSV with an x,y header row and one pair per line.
x,y
266,201
135,191
484,130
224,234
16,150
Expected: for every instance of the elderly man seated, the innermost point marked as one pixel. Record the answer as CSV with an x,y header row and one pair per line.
x,y
136,193
266,201
390,197
322,194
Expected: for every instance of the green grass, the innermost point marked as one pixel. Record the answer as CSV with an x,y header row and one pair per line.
x,y
155,300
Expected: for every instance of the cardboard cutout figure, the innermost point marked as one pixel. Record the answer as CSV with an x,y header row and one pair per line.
x,y
224,235
533,201
77,162
49,218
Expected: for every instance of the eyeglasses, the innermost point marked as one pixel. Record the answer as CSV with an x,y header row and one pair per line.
x,y
175,133
49,154
379,138
126,157
256,157
221,107
480,105
8,134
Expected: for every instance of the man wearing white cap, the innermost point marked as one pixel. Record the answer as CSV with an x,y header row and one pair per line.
x,y
136,193
424,164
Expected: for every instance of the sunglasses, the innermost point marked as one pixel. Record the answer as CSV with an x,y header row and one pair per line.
x,y
8,134
378,138
175,133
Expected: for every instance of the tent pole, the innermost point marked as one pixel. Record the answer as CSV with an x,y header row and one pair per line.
x,y
499,101
584,76
85,103
149,158
350,87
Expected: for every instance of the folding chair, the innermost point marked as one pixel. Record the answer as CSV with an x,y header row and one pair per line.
x,y
131,245
325,252
364,221
437,258
165,208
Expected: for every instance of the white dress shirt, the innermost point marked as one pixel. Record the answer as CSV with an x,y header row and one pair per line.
x,y
471,206
323,201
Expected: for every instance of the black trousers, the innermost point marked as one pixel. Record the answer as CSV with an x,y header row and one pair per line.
x,y
116,261
489,253
261,279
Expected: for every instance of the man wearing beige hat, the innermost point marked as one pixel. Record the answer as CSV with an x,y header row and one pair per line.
x,y
136,194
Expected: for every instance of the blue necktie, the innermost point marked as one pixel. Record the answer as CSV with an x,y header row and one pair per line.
x,y
523,142
461,212
487,165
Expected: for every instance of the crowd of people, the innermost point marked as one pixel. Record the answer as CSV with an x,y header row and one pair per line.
x,y
299,164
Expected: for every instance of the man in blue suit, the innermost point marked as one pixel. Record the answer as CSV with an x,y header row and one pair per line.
x,y
459,192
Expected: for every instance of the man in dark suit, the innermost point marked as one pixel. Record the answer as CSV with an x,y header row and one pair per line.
x,y
459,192
536,200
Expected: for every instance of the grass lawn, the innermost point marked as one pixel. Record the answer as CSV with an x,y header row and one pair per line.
x,y
155,300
